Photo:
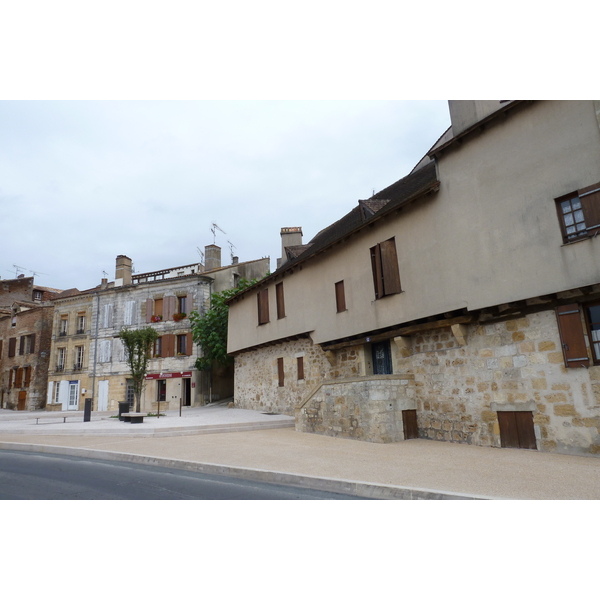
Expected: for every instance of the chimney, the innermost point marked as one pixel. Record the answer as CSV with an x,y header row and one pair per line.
x,y
212,257
123,271
104,283
234,260
290,236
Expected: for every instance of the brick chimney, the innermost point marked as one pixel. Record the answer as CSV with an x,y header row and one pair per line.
x,y
212,257
290,236
123,271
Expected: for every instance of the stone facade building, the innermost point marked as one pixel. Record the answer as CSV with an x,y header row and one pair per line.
x,y
88,358
461,303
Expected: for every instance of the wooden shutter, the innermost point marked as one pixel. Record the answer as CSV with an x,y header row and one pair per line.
x,y
12,346
169,307
263,306
376,266
188,344
19,378
22,344
389,268
516,429
149,310
300,361
158,307
572,340
10,378
27,376
1,344
168,345
32,344
340,296
590,202
280,301
280,372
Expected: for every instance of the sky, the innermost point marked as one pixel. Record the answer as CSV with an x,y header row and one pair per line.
x,y
86,181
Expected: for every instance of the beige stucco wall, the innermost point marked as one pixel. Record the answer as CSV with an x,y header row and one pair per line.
x,y
489,236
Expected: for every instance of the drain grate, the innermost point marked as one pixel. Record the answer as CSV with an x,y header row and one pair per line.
x,y
270,413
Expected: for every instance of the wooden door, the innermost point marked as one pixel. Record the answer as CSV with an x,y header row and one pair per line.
x,y
409,423
22,401
516,429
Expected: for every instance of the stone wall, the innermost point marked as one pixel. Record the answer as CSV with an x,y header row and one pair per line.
x,y
514,362
365,408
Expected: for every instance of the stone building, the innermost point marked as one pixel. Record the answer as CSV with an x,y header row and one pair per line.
x,y
461,303
88,357
25,323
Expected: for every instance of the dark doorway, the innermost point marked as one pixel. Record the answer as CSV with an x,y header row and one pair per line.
x,y
409,423
516,429
187,392
161,390
382,358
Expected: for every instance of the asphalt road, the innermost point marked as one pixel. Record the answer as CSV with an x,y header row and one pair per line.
x,y
31,476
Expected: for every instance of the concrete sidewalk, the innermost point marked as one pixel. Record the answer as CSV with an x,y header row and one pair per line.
x,y
414,469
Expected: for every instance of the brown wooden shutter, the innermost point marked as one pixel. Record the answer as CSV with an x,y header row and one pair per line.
x,y
22,344
19,378
10,378
1,344
170,304
590,202
389,268
280,301
263,306
300,361
572,340
27,376
188,344
158,307
340,296
376,266
280,372
168,348
12,346
149,310
32,345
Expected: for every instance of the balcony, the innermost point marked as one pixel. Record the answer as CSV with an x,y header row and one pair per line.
x,y
77,367
60,368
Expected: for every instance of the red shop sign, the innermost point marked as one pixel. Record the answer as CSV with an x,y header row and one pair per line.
x,y
169,375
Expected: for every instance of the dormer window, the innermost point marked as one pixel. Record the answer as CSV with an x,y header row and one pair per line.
x,y
37,294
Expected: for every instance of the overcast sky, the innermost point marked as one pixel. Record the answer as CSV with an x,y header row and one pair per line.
x,y
84,181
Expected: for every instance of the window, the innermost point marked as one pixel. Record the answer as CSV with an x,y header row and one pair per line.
x,y
107,316
182,344
27,344
300,364
161,390
382,358
572,339
129,393
104,351
384,262
12,347
182,304
13,322
79,357
340,296
129,315
279,300
60,362
263,306
280,373
158,347
27,376
19,378
579,213
80,324
64,325
37,294
158,307
56,393
592,313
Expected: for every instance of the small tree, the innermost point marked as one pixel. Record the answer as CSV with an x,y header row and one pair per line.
x,y
209,330
138,344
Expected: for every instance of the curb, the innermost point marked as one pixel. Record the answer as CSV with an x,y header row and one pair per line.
x,y
356,488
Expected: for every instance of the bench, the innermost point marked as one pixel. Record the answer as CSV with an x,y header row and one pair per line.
x,y
134,417
37,419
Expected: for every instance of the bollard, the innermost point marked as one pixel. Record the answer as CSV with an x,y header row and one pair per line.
x,y
87,410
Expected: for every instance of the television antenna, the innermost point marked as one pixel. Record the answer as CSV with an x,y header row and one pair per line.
x,y
231,247
23,269
201,254
214,229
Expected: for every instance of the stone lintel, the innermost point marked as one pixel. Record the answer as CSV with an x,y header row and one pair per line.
x,y
459,331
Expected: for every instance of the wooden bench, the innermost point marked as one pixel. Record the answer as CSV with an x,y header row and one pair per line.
x,y
37,419
134,417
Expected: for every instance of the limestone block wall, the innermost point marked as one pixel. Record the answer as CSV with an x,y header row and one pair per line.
x,y
365,408
257,376
519,362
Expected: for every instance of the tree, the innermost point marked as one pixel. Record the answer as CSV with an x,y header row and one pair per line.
x,y
209,330
138,344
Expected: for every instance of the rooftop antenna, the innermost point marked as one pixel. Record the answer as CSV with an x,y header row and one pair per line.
x,y
201,254
105,274
34,273
231,247
17,269
214,229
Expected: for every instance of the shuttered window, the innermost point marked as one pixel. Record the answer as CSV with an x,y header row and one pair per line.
x,y
189,343
107,316
104,351
263,306
19,378
158,307
592,313
340,296
12,346
169,307
280,373
168,345
570,327
129,316
516,429
579,213
149,310
22,342
1,344
31,347
280,301
27,376
384,262
300,363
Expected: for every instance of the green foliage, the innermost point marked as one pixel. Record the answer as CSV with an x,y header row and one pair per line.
x,y
138,344
209,331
